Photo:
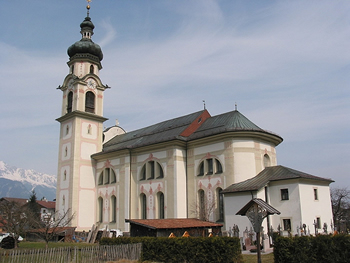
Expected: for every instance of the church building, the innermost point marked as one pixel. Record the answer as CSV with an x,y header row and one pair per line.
x,y
193,166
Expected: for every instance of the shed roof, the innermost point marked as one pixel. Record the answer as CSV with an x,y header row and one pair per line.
x,y
269,174
176,223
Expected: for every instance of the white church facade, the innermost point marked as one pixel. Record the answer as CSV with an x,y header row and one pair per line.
x,y
195,165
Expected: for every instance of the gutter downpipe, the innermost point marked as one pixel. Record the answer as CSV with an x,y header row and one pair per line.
x,y
186,172
268,216
129,184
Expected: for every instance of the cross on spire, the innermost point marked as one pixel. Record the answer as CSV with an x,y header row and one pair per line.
x,y
88,7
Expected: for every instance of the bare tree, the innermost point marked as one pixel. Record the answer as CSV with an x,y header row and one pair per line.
x,y
203,209
340,198
50,225
13,218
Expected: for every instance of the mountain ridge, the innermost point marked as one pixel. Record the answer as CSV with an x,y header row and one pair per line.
x,y
19,182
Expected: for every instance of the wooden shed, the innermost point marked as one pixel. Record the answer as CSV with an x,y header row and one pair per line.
x,y
165,227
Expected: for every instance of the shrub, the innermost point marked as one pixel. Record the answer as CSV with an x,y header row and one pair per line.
x,y
322,248
184,249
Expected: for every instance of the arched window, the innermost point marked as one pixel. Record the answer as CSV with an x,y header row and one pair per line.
x,y
113,209
64,175
69,102
267,161
100,209
160,196
91,69
209,166
151,170
107,176
67,130
90,102
220,204
72,68
201,205
143,201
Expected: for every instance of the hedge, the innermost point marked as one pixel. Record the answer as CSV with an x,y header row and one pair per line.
x,y
184,249
320,249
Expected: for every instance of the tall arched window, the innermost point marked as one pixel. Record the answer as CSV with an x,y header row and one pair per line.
x,y
113,209
143,201
91,69
90,102
69,102
267,161
201,205
160,196
220,204
100,209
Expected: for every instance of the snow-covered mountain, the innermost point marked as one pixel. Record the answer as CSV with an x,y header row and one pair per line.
x,y
18,182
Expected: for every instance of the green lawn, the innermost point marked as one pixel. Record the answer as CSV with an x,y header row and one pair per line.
x,y
252,258
27,244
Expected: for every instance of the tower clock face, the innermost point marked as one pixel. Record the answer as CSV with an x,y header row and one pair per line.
x,y
91,83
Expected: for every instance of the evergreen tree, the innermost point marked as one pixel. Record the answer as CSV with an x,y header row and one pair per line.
x,y
33,207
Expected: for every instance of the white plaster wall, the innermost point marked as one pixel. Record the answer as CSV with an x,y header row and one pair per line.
x,y
243,166
180,204
87,149
289,209
157,155
63,207
86,209
232,204
243,144
64,130
65,183
316,208
65,157
209,148
87,177
93,130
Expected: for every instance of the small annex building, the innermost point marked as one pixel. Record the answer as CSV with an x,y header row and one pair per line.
x,y
173,227
300,198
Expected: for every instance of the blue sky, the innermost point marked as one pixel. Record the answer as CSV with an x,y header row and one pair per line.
x,y
285,64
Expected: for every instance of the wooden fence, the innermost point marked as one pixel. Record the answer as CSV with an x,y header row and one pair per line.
x,y
95,254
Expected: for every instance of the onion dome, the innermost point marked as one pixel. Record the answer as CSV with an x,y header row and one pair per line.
x,y
86,47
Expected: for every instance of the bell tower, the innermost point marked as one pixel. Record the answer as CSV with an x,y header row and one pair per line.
x,y
81,129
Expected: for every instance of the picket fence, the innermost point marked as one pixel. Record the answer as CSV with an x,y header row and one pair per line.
x,y
93,254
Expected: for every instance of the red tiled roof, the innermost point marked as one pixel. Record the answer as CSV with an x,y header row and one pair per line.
x,y
47,204
20,201
173,223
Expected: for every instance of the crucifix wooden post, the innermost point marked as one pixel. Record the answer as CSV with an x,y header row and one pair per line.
x,y
256,210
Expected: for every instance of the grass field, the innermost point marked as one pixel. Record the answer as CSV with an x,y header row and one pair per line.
x,y
248,258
